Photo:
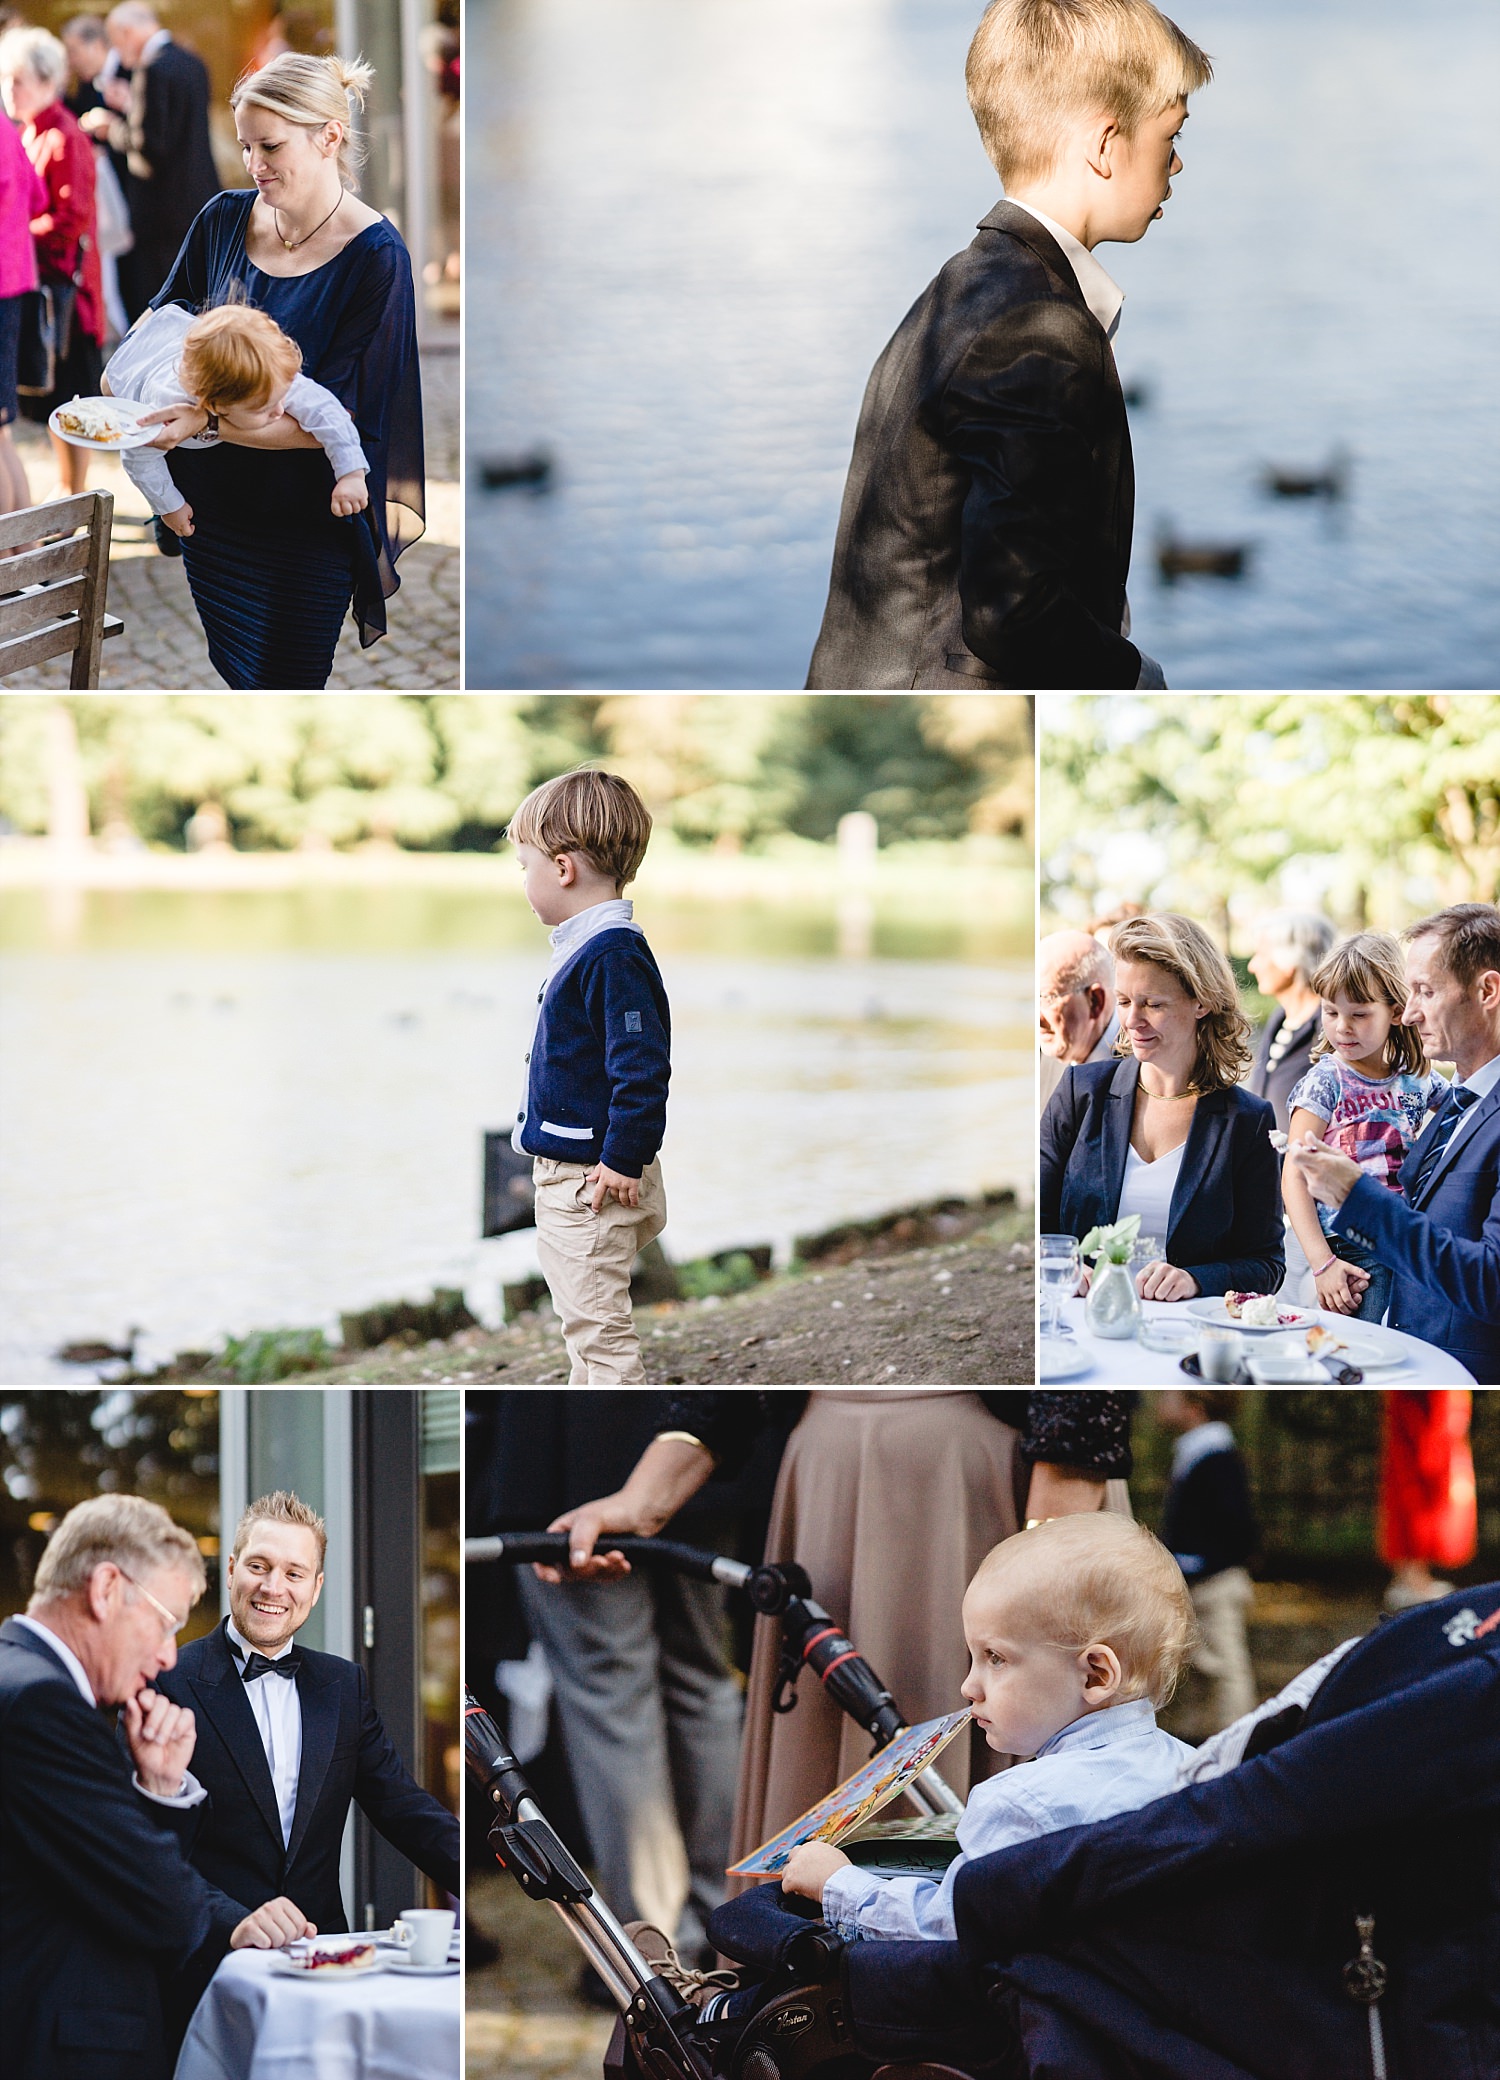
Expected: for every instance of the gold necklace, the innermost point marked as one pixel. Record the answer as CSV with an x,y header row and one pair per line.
x,y
1170,1097
292,244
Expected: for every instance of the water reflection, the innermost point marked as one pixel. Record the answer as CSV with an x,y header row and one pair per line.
x,y
206,1141
693,228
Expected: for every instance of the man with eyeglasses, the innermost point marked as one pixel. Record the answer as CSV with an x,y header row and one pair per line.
x,y
96,1893
1076,1017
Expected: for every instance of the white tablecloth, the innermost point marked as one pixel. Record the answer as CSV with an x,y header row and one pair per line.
x,y
256,2023
1122,1364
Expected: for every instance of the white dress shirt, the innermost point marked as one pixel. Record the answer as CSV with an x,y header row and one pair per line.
x,y
1104,1763
1483,1079
189,1793
278,1718
614,914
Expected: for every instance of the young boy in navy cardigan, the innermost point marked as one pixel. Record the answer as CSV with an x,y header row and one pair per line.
x,y
595,1108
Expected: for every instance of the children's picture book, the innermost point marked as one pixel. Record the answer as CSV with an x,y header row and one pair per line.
x,y
860,1798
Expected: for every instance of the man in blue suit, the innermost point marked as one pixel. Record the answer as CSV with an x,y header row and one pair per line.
x,y
1441,1233
287,1738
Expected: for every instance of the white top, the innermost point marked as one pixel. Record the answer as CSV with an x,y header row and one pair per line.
x,y
1105,1763
277,1710
611,915
144,368
1148,1188
1201,1442
191,1790
1103,295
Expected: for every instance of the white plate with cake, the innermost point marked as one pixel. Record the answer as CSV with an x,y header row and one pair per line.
x,y
110,424
1257,1313
329,1959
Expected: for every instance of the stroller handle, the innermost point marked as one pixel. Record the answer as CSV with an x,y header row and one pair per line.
x,y
551,1548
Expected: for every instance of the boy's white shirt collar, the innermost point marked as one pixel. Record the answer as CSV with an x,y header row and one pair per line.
x,y
1200,1443
1103,295
614,913
1097,1729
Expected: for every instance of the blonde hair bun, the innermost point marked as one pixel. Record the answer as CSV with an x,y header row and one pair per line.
x,y
311,92
356,79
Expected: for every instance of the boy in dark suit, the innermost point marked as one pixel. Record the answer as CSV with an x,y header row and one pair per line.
x,y
986,525
597,1070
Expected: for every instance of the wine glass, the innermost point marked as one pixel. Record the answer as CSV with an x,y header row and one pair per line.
x,y
1057,1261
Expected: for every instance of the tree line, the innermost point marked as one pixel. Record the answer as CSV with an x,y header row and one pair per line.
x,y
445,771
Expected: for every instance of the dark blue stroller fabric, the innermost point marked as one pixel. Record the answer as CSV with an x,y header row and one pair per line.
x,y
1204,1936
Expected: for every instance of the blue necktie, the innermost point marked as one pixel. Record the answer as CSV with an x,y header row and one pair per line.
x,y
1444,1126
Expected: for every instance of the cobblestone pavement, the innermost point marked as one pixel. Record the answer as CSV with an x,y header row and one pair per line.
x,y
161,647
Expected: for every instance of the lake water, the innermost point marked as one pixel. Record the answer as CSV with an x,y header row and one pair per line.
x,y
227,1112
692,228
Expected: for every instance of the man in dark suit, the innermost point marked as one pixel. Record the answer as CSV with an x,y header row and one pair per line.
x,y
160,122
287,1738
1441,1232
95,1891
986,525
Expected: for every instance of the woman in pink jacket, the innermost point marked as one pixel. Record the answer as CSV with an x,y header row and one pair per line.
x,y
22,197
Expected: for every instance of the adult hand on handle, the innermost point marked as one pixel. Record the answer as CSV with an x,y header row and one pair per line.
x,y
668,1473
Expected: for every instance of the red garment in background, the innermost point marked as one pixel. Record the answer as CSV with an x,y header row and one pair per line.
x,y
1427,1507
64,158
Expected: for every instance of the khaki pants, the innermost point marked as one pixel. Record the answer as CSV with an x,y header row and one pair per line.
x,y
586,1258
1224,1655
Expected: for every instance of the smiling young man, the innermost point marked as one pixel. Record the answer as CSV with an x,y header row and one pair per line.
x,y
986,526
287,1740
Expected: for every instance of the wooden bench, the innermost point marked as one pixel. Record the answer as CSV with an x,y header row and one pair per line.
x,y
52,595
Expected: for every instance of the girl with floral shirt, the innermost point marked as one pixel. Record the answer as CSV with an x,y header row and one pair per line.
x,y
1365,1095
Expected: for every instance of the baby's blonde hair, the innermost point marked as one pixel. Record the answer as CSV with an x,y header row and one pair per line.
x,y
596,814
234,355
310,92
1097,1580
1035,63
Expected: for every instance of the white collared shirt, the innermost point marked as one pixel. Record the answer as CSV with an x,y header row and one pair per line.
x,y
1101,292
155,43
614,914
190,1791
1104,1763
278,1718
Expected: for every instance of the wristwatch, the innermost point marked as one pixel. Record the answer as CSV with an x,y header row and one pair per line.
x,y
211,430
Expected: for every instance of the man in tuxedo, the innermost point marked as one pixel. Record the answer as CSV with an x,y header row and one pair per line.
x,y
1075,1003
159,120
287,1738
1441,1232
95,1889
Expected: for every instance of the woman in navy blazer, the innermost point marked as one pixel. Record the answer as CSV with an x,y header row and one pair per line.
x,y
1177,1087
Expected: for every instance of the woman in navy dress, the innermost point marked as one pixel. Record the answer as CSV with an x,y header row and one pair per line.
x,y
272,572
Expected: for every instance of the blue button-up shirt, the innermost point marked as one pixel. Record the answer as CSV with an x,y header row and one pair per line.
x,y
1105,1763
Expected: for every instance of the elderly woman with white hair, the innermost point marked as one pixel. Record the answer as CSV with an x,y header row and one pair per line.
x,y
1290,947
33,75
272,571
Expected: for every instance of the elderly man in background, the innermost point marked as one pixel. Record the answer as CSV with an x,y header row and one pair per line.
x,y
160,122
1076,1018
1440,1233
1290,947
95,1889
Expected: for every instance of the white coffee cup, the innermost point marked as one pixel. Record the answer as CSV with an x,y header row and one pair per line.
x,y
424,1932
1219,1355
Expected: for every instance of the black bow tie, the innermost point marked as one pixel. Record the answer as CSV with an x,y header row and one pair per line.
x,y
261,1665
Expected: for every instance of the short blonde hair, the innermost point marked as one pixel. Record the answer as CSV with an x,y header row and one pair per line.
x,y
596,814
236,356
1183,950
1370,969
282,1507
1098,1580
131,1533
1035,63
310,92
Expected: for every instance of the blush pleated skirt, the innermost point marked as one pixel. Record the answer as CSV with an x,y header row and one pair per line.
x,y
271,609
